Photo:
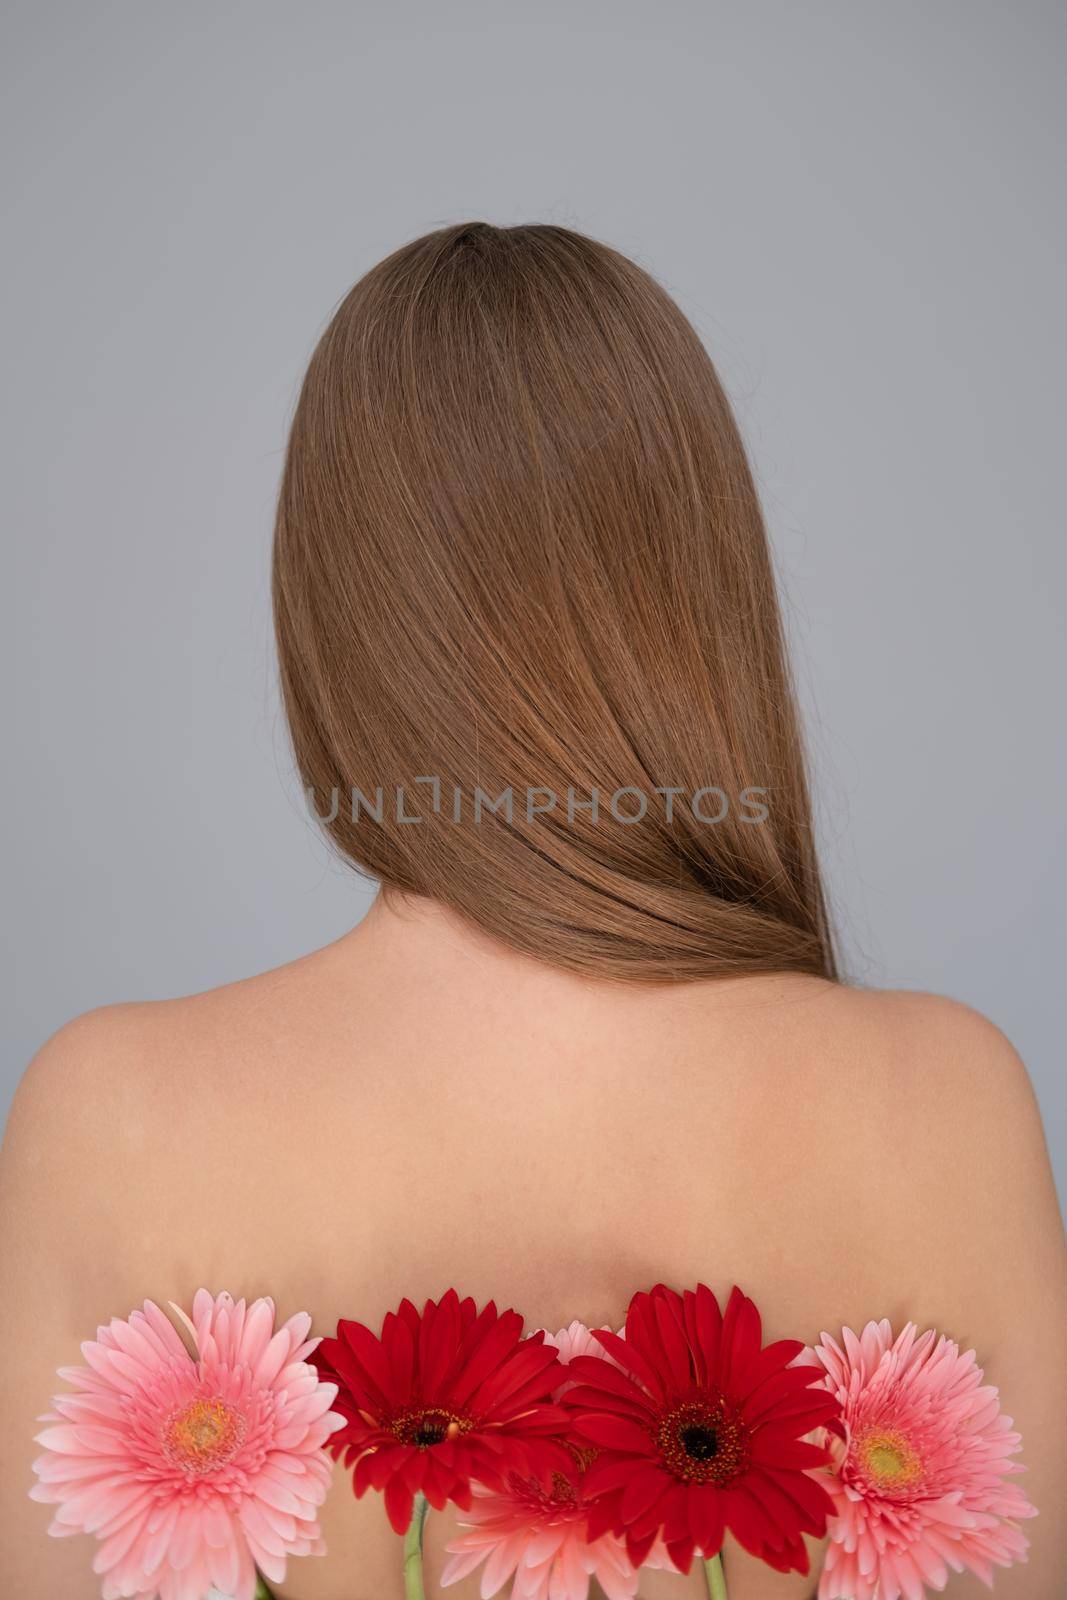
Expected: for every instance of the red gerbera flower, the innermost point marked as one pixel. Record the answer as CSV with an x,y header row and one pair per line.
x,y
701,1432
442,1398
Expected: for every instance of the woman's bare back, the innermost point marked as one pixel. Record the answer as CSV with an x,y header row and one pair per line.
x,y
415,1107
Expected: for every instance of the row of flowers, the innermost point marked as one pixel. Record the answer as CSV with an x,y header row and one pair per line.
x,y
580,1454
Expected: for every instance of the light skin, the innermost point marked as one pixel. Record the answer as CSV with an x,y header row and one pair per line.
x,y
414,1107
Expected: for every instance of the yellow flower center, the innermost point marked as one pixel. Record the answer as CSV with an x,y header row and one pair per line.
x,y
888,1459
203,1435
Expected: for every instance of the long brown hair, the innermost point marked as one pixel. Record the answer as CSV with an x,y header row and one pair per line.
x,y
519,552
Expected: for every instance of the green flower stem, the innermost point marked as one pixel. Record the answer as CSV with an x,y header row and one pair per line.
x,y
262,1592
413,1588
716,1578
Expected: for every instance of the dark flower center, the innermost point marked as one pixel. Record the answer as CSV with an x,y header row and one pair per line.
x,y
702,1441
431,1430
428,1426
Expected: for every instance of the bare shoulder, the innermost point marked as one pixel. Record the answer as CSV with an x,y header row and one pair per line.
x,y
92,1092
137,1123
895,1027
91,1050
967,1093
75,1100
936,1037
934,1123
110,1070
914,1064
84,1116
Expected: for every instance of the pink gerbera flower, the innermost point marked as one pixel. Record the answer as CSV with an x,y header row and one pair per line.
x,y
538,1537
191,1471
921,1479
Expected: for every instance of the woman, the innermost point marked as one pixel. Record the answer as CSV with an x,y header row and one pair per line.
x,y
591,1037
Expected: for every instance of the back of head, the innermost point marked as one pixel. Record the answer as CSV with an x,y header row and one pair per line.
x,y
523,594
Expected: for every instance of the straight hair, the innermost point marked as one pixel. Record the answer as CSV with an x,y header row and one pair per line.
x,y
519,550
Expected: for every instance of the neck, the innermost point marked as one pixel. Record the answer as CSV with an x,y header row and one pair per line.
x,y
411,942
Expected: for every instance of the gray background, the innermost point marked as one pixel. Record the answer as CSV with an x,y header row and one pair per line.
x,y
859,206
